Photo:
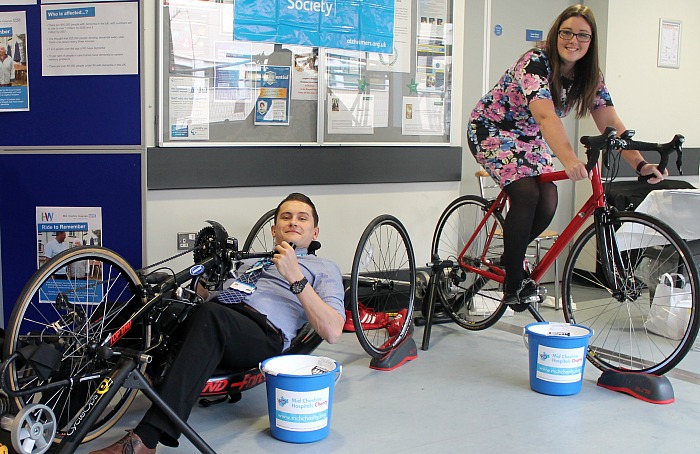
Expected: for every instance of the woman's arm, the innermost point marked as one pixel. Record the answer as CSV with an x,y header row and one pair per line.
x,y
554,134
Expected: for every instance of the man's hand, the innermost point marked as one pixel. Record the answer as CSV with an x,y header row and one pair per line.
x,y
285,259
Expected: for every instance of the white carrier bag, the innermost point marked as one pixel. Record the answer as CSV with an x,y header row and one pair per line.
x,y
670,309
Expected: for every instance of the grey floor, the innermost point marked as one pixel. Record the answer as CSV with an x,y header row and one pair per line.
x,y
468,393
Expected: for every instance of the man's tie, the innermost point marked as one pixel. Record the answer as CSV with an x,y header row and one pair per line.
x,y
244,285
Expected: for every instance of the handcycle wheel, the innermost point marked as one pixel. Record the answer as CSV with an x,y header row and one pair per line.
x,y
383,286
73,316
471,300
623,323
259,238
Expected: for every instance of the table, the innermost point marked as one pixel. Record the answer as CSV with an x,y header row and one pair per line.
x,y
679,208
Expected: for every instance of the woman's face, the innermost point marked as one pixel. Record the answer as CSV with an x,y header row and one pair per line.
x,y
572,50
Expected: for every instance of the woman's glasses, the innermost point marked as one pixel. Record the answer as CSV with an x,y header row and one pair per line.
x,y
569,35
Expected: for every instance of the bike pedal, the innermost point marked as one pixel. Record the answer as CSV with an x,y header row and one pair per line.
x,y
534,299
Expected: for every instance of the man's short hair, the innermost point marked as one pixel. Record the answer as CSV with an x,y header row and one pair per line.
x,y
298,197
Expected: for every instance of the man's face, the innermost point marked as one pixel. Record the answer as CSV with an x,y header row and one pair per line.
x,y
3,52
60,236
295,224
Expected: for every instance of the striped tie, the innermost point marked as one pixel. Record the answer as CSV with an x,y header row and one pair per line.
x,y
244,285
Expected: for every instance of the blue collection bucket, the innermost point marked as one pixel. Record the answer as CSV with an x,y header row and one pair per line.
x,y
300,396
557,356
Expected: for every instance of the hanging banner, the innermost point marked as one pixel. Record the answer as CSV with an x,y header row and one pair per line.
x,y
363,25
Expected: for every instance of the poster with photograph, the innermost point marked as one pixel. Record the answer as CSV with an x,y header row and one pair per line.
x,y
59,229
272,105
14,82
305,74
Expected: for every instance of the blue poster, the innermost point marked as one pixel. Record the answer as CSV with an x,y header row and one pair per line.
x,y
272,105
364,25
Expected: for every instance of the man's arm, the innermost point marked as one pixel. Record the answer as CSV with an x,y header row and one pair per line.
x,y
327,322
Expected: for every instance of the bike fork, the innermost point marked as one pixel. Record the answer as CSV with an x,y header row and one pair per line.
x,y
608,251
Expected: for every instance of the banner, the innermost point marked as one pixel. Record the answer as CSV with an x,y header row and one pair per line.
x,y
361,25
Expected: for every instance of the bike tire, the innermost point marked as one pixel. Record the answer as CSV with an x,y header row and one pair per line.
x,y
625,333
383,284
259,238
472,301
74,315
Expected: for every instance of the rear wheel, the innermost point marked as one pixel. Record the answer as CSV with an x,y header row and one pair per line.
x,y
632,328
383,286
69,318
471,300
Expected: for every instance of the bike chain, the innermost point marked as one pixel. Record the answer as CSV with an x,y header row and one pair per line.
x,y
168,259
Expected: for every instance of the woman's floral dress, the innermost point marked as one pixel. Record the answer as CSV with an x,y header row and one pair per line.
x,y
503,135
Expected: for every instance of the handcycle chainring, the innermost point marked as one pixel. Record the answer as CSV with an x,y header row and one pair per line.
x,y
211,243
205,245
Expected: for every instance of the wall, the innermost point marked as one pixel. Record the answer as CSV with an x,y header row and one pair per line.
x,y
656,102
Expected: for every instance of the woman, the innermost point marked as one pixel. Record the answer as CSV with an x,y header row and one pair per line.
x,y
516,127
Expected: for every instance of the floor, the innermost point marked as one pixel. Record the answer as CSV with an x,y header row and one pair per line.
x,y
468,393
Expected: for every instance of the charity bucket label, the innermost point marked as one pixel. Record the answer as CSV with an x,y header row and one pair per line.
x,y
560,365
301,411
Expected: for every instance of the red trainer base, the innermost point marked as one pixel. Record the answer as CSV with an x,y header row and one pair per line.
x,y
405,351
655,389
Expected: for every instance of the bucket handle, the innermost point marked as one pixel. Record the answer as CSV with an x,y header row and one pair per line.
x,y
527,346
340,372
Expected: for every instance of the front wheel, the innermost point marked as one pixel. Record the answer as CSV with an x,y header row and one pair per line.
x,y
383,286
70,317
634,326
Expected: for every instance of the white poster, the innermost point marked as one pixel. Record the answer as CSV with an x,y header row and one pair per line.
x,y
91,39
350,113
60,229
423,116
189,108
305,74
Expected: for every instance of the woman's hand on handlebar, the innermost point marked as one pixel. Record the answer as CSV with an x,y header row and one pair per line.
x,y
576,170
651,173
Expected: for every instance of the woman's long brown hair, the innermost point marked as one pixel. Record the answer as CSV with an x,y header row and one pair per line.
x,y
586,71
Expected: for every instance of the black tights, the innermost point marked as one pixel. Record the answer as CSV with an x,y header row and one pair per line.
x,y
531,204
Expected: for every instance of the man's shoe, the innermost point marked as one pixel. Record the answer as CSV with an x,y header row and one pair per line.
x,y
396,324
129,444
369,318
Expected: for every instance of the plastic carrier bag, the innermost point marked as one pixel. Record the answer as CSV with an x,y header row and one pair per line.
x,y
670,310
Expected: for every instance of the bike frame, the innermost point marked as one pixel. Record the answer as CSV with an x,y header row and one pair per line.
x,y
594,202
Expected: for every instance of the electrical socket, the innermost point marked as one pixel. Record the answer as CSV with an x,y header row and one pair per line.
x,y
185,241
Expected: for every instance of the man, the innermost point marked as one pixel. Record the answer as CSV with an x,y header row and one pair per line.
x,y
7,68
297,288
55,247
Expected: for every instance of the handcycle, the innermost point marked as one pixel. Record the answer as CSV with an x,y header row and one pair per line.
x,y
608,279
76,351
